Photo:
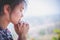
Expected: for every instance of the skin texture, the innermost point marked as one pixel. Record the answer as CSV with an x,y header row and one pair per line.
x,y
14,17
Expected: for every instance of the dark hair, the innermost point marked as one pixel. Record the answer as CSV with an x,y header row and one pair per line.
x,y
12,4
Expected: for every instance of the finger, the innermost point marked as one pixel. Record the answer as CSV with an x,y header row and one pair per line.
x,y
16,26
21,24
27,25
25,28
21,27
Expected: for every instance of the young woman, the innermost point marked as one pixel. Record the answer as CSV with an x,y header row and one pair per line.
x,y
11,11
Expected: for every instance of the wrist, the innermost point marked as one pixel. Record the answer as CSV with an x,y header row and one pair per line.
x,y
21,37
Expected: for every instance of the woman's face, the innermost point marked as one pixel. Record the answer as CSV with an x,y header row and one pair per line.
x,y
17,14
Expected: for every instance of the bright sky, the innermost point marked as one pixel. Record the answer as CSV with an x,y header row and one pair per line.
x,y
42,7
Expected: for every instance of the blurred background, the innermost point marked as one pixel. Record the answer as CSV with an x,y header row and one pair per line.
x,y
43,17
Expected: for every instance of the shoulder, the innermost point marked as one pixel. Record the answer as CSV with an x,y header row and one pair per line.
x,y
1,36
5,34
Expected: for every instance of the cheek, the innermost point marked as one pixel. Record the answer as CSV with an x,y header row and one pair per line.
x,y
15,16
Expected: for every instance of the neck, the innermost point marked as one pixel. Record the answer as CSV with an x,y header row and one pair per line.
x,y
3,22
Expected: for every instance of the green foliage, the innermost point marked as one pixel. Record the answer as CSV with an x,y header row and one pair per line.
x,y
57,31
54,38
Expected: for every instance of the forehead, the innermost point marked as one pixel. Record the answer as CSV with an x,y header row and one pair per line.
x,y
21,5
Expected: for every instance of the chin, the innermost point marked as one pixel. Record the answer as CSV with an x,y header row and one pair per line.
x,y
16,22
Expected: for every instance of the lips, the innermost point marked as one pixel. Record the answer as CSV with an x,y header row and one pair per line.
x,y
19,20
